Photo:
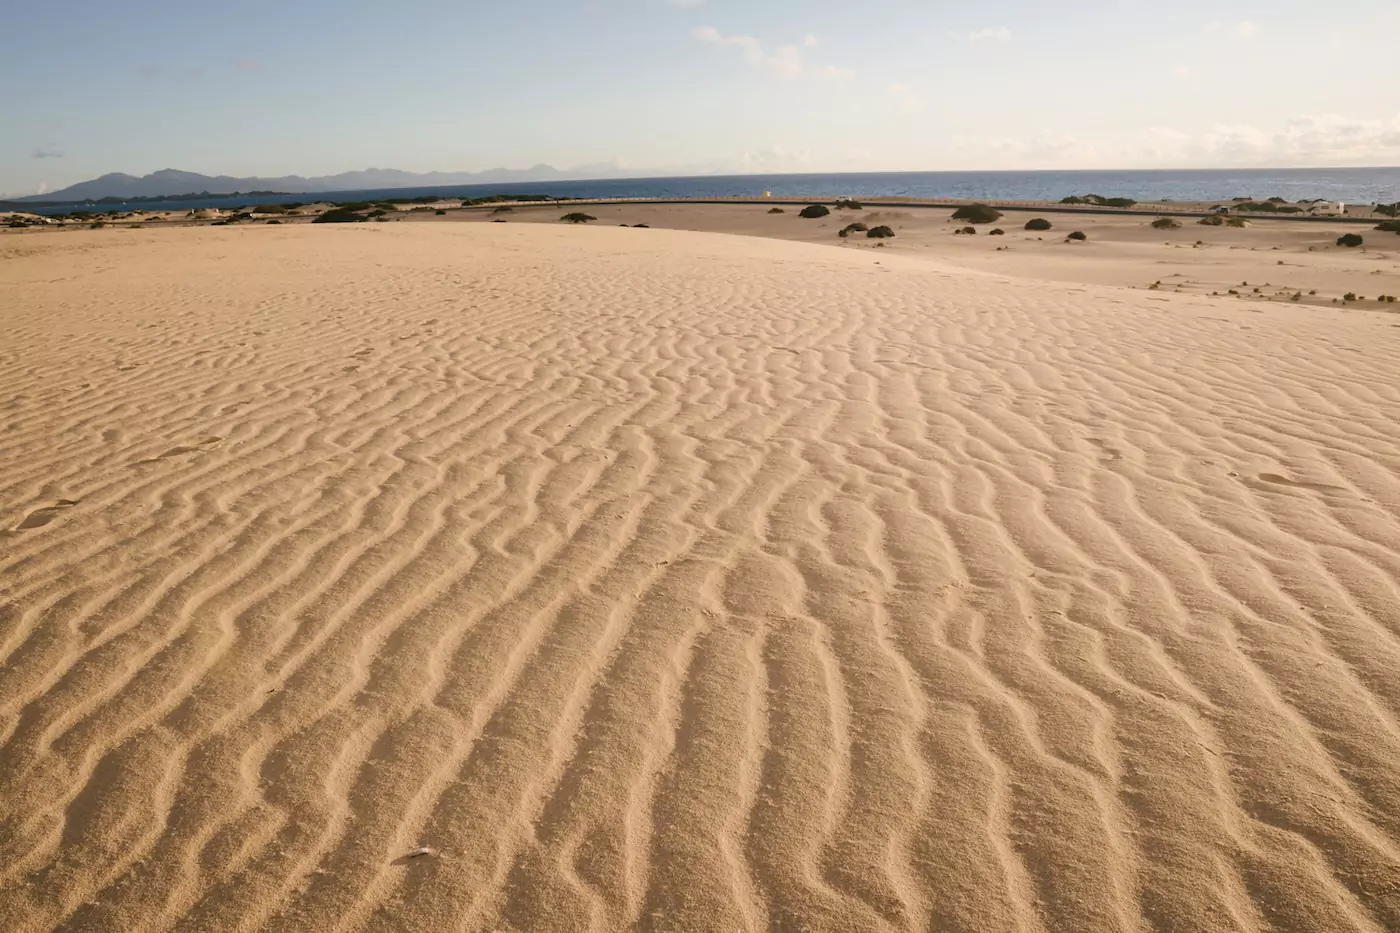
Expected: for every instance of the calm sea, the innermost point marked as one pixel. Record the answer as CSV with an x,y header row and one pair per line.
x,y
1354,185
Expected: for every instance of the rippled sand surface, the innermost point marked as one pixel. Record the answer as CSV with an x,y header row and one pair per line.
x,y
514,577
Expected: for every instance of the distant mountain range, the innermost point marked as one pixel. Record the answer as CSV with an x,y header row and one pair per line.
x,y
172,181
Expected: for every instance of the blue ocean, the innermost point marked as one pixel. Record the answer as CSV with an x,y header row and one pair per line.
x,y
1353,185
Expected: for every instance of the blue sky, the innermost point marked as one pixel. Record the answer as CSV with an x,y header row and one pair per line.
x,y
253,87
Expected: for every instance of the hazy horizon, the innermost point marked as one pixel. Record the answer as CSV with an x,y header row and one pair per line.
x,y
687,87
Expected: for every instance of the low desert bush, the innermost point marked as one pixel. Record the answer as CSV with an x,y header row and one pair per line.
x,y
1214,220
846,204
813,211
968,231
1236,222
440,213
977,214
880,233
578,217
1349,239
776,210
339,215
997,232
1389,226
1098,200
1165,223
1077,235
1038,223
853,228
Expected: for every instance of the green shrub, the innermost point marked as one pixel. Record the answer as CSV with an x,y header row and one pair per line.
x,y
356,206
853,228
1349,296
1077,235
577,217
879,233
643,226
977,214
813,211
1236,222
968,231
1038,223
1214,220
339,215
1389,226
1098,200
846,204
1389,210
997,232
1349,239
776,210
1165,223
440,213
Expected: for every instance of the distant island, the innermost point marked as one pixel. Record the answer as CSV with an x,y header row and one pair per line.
x,y
167,183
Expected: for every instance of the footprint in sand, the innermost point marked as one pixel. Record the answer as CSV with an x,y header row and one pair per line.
x,y
41,517
199,446
1109,453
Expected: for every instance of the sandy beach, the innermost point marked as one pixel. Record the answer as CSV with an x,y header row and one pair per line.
x,y
530,577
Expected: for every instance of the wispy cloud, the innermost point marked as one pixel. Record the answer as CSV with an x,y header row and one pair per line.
x,y
991,34
905,98
1242,29
46,152
785,61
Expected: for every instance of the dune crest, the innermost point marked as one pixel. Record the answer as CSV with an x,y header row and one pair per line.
x,y
526,578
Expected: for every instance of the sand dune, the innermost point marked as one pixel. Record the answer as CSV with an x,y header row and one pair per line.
x,y
673,581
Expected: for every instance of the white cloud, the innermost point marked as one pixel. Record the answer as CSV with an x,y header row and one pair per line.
x,y
905,98
997,34
1242,29
785,61
1319,139
752,48
811,41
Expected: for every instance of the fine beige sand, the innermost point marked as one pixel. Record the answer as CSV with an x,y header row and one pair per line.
x,y
516,577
